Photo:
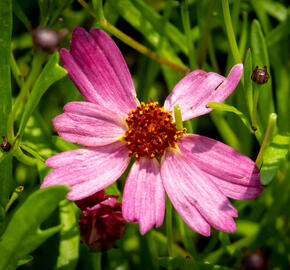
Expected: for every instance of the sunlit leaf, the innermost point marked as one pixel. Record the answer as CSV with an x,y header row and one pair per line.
x,y
274,154
23,233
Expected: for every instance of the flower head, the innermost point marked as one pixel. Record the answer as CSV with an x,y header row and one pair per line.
x,y
197,173
101,222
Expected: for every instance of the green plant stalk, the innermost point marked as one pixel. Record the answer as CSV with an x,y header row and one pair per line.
x,y
205,33
230,32
169,232
96,260
133,43
212,56
255,108
268,136
21,157
16,193
187,32
15,71
244,35
178,118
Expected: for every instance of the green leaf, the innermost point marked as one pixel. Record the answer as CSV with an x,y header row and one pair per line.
x,y
6,184
69,237
23,233
228,108
274,154
51,73
261,59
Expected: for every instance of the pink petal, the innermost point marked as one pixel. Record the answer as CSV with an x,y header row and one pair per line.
x,y
234,173
144,197
195,197
89,124
88,170
98,69
199,88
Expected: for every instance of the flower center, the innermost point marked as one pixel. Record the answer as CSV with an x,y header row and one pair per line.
x,y
150,131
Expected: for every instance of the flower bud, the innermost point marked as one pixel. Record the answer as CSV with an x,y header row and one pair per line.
x,y
6,146
101,222
46,39
259,75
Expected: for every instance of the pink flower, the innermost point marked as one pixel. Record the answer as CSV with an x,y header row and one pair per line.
x,y
198,173
101,222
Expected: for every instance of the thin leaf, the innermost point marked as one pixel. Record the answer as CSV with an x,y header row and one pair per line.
x,y
274,154
23,233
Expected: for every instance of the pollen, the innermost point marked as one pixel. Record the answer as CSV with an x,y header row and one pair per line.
x,y
151,131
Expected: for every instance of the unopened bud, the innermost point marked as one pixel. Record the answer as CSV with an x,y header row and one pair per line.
x,y
101,222
259,75
47,39
6,146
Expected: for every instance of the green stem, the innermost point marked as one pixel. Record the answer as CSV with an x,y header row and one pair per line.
x,y
169,227
205,33
230,32
97,260
133,43
268,136
212,56
15,71
244,35
255,108
16,193
187,32
21,157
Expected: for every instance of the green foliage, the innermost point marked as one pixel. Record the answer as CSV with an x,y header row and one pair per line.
x,y
23,234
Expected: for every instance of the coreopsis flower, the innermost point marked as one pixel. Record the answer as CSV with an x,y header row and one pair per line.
x,y
198,174
101,222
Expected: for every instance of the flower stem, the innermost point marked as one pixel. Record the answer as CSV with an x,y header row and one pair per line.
x,y
178,117
268,135
169,227
187,32
230,32
131,42
255,108
16,193
205,35
97,260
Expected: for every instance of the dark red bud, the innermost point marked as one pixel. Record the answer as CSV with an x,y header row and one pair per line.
x,y
102,224
6,146
259,75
